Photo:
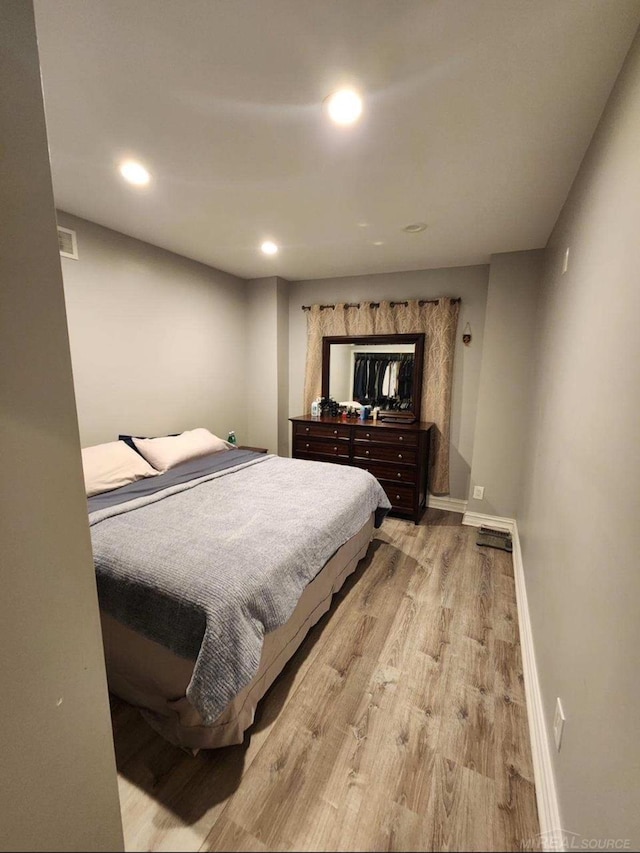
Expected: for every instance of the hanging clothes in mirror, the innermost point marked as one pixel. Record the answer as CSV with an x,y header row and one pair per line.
x,y
383,379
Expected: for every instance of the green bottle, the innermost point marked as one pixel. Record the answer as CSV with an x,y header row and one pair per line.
x,y
231,438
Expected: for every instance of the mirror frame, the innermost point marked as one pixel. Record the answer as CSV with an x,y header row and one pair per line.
x,y
418,361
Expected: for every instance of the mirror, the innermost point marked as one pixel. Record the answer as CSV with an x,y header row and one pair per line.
x,y
375,370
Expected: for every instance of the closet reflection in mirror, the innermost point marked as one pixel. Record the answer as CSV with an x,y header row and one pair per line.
x,y
377,371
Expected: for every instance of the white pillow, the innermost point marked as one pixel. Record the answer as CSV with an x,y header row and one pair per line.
x,y
168,451
109,466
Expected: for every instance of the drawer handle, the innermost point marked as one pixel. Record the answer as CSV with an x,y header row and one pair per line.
x,y
336,449
368,434
400,438
335,432
307,445
367,452
399,455
306,429
397,497
399,475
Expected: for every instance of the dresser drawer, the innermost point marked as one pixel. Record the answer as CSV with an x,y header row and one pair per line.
x,y
319,430
402,497
320,447
395,437
384,453
319,457
386,471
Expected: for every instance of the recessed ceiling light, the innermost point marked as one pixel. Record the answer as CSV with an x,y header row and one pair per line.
x,y
135,173
378,242
415,227
269,248
344,106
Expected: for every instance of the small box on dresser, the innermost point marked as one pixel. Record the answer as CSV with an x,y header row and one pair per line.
x,y
396,454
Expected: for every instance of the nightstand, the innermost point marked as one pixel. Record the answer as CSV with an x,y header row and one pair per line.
x,y
255,449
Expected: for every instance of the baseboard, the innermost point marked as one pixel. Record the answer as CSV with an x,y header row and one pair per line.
x,y
447,504
551,833
477,519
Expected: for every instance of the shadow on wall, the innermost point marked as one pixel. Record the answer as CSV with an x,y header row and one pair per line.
x,y
483,507
459,474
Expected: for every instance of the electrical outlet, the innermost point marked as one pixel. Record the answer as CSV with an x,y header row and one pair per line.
x,y
478,493
558,724
565,262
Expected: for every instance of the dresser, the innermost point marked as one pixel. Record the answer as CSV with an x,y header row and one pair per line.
x,y
396,454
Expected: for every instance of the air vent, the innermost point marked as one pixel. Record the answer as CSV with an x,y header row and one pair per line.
x,y
67,243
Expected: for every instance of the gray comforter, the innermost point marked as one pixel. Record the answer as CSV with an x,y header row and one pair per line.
x,y
208,566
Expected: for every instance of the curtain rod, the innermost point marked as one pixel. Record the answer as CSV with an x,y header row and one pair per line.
x,y
377,304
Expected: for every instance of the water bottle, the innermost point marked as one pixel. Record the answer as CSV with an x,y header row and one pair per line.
x,y
315,408
231,438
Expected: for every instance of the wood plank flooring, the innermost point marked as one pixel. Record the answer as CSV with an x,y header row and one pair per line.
x,y
400,724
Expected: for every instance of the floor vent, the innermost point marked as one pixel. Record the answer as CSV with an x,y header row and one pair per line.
x,y
67,243
494,538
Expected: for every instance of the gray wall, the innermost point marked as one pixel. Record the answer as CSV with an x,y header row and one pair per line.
x,y
504,397
157,340
58,786
262,364
268,364
470,283
282,295
160,343
579,521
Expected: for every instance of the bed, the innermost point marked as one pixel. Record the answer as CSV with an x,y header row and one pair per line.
x,y
211,573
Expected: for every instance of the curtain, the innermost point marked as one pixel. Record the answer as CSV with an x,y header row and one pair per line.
x,y
438,320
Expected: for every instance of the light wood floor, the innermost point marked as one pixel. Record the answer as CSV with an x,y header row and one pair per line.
x,y
400,724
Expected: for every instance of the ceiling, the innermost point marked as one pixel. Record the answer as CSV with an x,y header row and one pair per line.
x,y
477,115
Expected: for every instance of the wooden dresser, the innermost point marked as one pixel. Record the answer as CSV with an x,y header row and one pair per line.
x,y
396,454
